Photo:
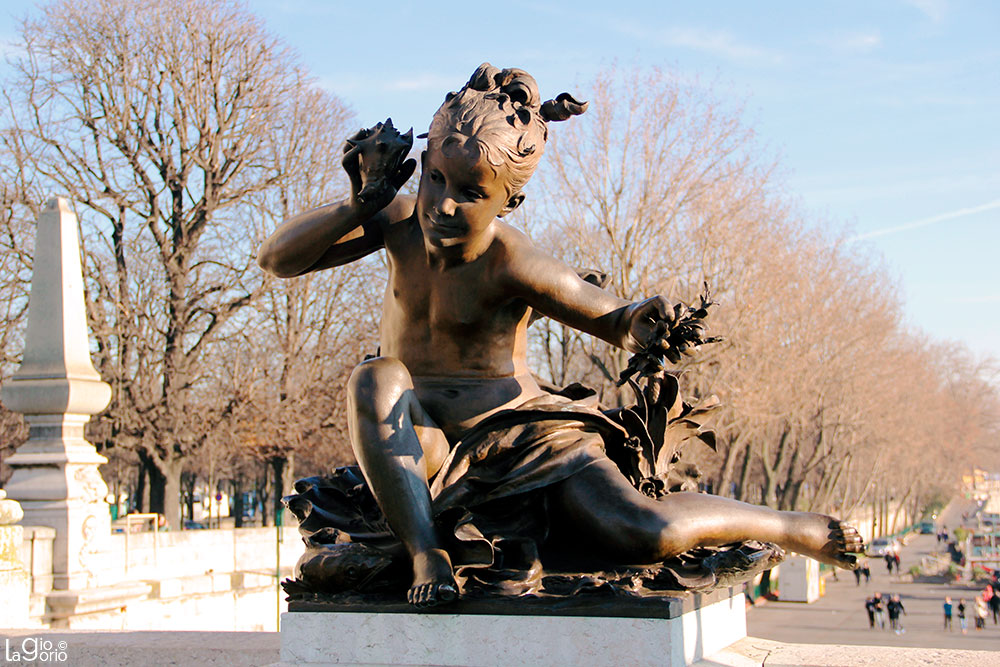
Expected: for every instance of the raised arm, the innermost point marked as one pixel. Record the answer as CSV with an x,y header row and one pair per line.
x,y
344,231
327,236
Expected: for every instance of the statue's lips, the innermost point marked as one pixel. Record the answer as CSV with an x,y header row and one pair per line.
x,y
443,228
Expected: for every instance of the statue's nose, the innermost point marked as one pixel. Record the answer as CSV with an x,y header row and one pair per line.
x,y
446,206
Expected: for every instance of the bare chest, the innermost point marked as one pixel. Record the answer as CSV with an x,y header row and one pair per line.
x,y
458,302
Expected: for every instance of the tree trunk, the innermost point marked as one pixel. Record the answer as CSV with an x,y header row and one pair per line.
x,y
771,472
141,499
172,494
157,488
821,499
264,496
744,475
726,486
188,482
790,498
278,466
236,489
793,482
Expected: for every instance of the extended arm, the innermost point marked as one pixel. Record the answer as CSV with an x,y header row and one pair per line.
x,y
555,290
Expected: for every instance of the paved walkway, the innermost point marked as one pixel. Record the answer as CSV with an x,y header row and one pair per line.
x,y
757,652
840,618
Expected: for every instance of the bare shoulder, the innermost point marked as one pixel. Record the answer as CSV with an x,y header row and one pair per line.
x,y
524,263
399,209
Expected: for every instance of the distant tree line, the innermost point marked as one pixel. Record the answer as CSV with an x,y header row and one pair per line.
x,y
183,132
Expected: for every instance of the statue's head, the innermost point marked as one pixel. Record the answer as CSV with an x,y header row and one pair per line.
x,y
500,113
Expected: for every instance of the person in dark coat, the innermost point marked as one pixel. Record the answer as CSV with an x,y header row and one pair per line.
x,y
879,611
895,609
870,608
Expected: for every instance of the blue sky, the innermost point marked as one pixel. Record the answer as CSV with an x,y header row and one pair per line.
x,y
885,115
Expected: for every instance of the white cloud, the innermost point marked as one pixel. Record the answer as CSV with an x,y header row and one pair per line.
x,y
421,82
346,84
859,42
720,43
924,222
932,9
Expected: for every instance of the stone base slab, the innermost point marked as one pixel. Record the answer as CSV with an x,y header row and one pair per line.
x,y
482,639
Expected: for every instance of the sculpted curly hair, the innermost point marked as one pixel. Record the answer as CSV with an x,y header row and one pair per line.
x,y
499,112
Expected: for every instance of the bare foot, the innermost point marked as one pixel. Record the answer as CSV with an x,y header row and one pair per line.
x,y
433,580
824,538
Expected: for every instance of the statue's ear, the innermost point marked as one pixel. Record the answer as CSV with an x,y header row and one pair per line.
x,y
512,203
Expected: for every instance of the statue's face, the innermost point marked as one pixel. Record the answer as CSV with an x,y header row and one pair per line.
x,y
460,195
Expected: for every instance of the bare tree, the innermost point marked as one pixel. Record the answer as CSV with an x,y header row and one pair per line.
x,y
646,184
826,395
20,204
156,118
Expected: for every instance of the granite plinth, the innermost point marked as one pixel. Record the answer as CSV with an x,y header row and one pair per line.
x,y
602,631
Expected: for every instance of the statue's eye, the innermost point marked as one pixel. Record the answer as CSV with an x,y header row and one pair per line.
x,y
352,571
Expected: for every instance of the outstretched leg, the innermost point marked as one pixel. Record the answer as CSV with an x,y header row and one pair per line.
x,y
612,517
398,447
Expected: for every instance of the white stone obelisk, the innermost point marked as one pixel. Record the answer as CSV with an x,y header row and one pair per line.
x,y
55,473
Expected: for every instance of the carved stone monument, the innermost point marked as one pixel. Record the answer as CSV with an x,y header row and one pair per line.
x,y
55,473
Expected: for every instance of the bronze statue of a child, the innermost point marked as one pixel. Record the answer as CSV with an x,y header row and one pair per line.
x,y
462,287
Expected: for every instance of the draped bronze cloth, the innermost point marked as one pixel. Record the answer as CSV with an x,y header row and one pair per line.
x,y
488,498
490,504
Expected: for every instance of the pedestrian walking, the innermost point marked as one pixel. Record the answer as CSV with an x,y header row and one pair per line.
x,y
879,611
961,617
857,575
895,560
980,613
994,604
895,609
889,562
870,608
867,571
947,613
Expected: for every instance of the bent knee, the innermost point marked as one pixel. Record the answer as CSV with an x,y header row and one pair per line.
x,y
377,386
379,376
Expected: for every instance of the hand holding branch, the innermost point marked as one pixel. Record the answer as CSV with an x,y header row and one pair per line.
x,y
668,332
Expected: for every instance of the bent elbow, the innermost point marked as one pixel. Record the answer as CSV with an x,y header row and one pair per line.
x,y
269,262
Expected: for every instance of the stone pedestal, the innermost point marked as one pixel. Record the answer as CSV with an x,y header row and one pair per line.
x,y
55,473
799,579
614,632
14,580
